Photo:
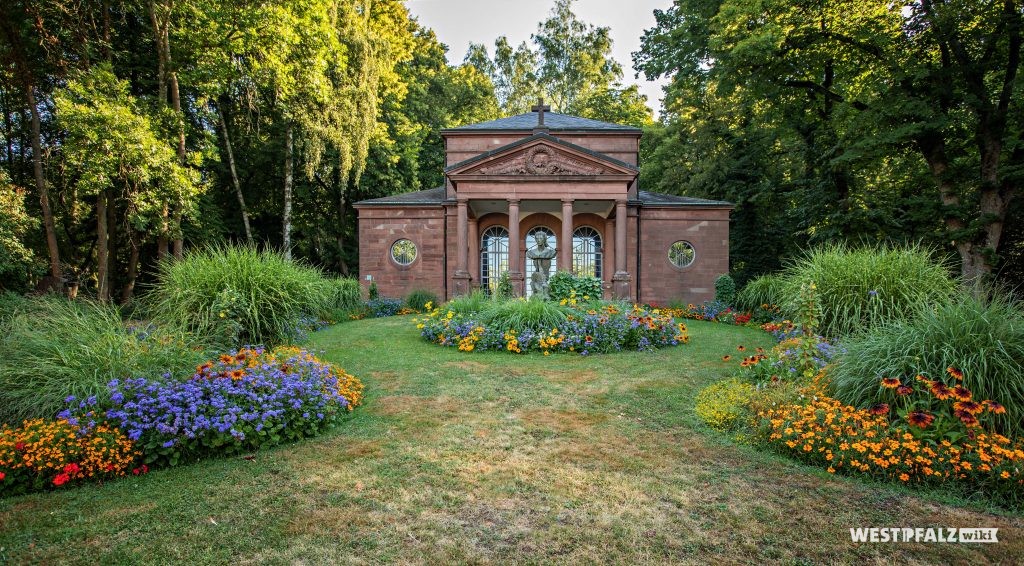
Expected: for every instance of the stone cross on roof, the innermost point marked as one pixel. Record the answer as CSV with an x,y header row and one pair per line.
x,y
540,108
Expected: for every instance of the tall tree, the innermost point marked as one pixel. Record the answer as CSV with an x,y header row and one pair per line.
x,y
933,85
570,64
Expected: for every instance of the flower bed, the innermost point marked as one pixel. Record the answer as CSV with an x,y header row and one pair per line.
x,y
587,329
240,402
43,454
925,438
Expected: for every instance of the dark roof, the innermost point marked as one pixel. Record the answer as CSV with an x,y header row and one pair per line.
x,y
537,136
429,197
647,198
552,120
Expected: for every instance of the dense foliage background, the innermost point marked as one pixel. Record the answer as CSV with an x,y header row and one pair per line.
x,y
135,129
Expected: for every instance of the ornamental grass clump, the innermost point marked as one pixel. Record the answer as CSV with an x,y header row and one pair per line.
x,y
54,348
520,314
260,292
981,337
859,288
764,291
240,402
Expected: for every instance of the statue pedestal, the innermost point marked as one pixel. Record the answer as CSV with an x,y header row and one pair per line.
x,y
461,281
518,283
621,285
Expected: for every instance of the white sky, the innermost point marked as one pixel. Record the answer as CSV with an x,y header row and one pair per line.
x,y
459,22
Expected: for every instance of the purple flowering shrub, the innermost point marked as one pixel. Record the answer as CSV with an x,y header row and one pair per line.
x,y
243,401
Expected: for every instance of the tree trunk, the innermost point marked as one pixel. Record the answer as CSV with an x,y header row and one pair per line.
x,y
286,228
182,156
111,242
44,193
341,224
133,268
234,175
102,259
160,33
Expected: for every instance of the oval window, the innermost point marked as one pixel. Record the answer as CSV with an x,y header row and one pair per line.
x,y
403,252
681,254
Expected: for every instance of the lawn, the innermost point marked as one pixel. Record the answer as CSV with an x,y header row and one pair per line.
x,y
487,457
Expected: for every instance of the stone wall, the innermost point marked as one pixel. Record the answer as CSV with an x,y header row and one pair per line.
x,y
380,227
660,281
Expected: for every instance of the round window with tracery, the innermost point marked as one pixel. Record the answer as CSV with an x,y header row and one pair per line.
x,y
681,254
403,252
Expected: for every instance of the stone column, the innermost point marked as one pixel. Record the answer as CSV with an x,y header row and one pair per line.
x,y
473,266
621,280
565,241
461,278
515,270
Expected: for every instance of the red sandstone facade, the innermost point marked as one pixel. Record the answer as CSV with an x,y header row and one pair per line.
x,y
576,179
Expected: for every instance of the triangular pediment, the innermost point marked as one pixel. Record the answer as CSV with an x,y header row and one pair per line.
x,y
541,155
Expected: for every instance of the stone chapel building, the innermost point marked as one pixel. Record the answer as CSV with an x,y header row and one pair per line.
x,y
572,179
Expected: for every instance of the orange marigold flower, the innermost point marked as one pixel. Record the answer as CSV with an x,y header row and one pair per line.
x,y
904,390
904,477
726,358
890,382
920,419
957,374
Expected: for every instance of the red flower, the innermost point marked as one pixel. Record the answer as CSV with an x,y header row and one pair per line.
x,y
962,393
2,476
995,407
968,407
110,467
20,446
968,419
940,391
904,390
879,409
72,469
61,479
145,469
920,419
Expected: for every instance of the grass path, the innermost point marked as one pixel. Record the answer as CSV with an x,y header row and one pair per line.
x,y
488,457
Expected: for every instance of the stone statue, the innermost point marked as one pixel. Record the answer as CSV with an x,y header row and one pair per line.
x,y
541,256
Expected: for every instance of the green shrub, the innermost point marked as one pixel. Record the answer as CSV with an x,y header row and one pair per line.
x,y
373,292
858,288
273,293
520,314
723,405
983,338
472,303
417,300
725,290
762,290
562,284
504,289
58,348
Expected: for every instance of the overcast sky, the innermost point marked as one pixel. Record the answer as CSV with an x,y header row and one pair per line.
x,y
459,22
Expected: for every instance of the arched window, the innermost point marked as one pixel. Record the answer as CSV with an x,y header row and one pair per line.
x,y
493,257
534,239
586,252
